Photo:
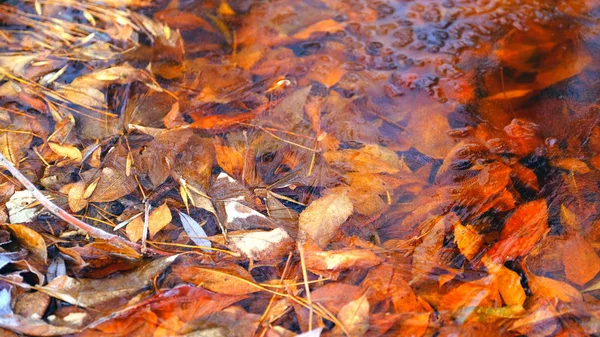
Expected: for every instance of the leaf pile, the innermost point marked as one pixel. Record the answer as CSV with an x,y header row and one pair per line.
x,y
299,168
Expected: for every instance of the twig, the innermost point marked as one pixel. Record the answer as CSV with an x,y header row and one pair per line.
x,y
94,232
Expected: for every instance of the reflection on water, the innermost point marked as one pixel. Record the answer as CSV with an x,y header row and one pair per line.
x,y
464,133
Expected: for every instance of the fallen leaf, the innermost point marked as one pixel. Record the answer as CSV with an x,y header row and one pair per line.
x,y
261,245
76,200
321,220
194,230
336,260
30,240
157,220
571,164
113,184
580,260
467,239
67,151
19,207
230,280
92,292
355,316
522,231
368,159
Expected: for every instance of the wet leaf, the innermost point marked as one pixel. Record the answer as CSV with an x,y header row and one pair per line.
x,y
230,280
323,217
158,219
194,230
261,245
355,316
30,240
580,260
522,231
368,159
92,292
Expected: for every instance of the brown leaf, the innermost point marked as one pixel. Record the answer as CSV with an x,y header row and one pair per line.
x,y
92,292
113,184
230,280
321,220
30,240
76,200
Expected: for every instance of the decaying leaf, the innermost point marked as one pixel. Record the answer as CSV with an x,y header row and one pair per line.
x,y
355,316
30,239
92,292
580,260
323,217
261,245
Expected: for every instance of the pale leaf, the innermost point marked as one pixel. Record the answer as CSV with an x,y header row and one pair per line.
x,y
194,230
355,316
321,220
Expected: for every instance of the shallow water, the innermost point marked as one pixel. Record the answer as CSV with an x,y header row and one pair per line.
x,y
464,136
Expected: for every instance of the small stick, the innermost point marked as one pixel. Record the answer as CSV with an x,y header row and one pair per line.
x,y
92,231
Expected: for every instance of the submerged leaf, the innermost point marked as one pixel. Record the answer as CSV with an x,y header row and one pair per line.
x,y
321,220
194,230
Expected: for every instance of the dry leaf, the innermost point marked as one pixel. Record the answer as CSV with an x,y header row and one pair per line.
x,y
321,220
67,151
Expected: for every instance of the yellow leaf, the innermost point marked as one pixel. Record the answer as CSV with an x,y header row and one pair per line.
x,y
509,286
467,239
158,219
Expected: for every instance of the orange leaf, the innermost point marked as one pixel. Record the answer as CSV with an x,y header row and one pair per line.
x,y
580,260
522,231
